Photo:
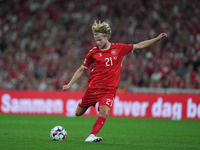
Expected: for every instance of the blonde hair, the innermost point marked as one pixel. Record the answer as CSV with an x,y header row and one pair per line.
x,y
101,28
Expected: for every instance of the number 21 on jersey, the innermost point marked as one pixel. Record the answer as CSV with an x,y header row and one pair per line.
x,y
109,61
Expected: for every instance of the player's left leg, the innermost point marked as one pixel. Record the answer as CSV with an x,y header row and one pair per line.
x,y
106,99
104,110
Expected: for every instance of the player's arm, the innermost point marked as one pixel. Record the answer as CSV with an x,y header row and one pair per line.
x,y
75,77
147,43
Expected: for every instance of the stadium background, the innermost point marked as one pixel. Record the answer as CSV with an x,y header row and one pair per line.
x,y
42,43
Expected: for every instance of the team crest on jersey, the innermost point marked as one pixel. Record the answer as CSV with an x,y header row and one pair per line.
x,y
113,52
100,54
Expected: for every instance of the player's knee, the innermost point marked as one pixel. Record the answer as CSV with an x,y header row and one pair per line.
x,y
104,111
78,114
104,115
80,111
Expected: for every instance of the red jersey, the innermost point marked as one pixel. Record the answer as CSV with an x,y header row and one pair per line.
x,y
106,65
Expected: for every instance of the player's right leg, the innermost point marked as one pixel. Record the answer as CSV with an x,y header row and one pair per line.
x,y
80,111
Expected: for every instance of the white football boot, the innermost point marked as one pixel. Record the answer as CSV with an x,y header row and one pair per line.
x,y
93,138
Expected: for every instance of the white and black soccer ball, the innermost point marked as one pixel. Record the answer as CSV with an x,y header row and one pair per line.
x,y
58,133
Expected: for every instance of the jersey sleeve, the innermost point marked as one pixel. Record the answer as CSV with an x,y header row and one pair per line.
x,y
127,48
88,60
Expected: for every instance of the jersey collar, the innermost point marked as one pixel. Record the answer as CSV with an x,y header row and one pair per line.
x,y
106,48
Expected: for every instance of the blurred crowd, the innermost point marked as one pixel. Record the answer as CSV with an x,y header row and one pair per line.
x,y
42,43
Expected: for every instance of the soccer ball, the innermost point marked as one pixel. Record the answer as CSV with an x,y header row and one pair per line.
x,y
58,133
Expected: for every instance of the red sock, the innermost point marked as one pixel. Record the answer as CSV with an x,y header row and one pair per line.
x,y
98,125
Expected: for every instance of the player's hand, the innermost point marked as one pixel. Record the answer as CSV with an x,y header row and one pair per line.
x,y
66,87
162,35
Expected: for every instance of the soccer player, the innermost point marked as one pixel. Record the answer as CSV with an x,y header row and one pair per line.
x,y
106,60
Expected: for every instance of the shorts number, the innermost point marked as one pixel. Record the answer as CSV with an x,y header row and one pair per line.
x,y
109,102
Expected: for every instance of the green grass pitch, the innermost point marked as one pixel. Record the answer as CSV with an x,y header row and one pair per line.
x,y
23,132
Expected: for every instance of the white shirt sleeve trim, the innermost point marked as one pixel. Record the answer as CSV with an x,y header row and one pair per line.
x,y
133,49
84,67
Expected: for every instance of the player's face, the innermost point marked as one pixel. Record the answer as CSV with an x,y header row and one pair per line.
x,y
101,40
